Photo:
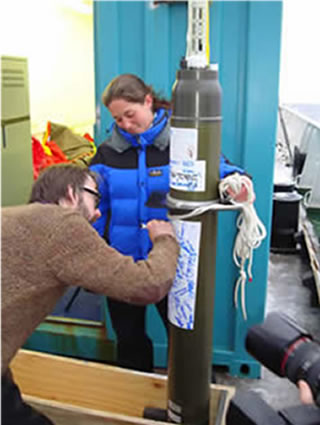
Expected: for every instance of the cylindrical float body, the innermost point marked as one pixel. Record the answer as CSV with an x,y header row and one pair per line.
x,y
194,176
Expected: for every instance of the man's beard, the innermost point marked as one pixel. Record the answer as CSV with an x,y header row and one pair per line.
x,y
83,210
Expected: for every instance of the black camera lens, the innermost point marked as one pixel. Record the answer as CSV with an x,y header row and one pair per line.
x,y
304,363
287,350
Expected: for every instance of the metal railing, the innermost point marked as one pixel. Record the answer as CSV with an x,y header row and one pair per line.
x,y
299,140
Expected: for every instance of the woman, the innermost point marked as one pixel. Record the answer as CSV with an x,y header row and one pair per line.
x,y
134,163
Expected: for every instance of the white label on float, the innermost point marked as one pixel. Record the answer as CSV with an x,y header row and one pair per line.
x,y
188,176
182,296
184,144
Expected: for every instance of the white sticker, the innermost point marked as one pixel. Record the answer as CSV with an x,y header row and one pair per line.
x,y
182,296
184,144
188,176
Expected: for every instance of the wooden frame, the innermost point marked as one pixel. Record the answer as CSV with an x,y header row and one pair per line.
x,y
75,391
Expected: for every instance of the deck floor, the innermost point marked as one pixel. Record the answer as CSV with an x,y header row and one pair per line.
x,y
285,293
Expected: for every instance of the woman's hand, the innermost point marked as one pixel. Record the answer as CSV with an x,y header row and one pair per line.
x,y
243,194
159,227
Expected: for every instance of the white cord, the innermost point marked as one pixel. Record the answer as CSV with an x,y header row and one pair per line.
x,y
251,231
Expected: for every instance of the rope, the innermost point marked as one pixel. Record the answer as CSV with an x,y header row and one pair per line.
x,y
251,232
251,229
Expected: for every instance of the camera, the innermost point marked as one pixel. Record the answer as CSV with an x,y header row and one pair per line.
x,y
286,349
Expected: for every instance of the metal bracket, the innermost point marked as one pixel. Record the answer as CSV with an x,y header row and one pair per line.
x,y
214,204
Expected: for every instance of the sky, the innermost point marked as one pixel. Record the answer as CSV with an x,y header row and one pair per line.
x,y
300,52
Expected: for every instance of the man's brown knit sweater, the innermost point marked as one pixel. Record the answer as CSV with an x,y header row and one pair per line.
x,y
45,248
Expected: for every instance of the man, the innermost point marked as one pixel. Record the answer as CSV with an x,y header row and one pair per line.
x,y
50,244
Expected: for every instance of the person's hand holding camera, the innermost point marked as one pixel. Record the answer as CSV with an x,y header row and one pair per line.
x,y
306,396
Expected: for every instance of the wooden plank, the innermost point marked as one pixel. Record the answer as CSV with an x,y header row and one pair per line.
x,y
82,385
313,252
87,384
64,414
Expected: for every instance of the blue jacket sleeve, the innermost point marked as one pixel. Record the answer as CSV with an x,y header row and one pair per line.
x,y
227,168
103,186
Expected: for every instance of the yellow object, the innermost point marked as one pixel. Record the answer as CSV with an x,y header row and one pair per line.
x,y
208,35
46,138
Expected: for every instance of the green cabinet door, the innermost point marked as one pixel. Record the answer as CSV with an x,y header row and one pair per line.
x,y
16,145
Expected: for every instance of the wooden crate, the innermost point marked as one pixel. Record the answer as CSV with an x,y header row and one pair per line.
x,y
78,392
313,248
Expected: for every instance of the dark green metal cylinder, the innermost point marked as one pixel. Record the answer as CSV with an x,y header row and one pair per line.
x,y
196,105
196,97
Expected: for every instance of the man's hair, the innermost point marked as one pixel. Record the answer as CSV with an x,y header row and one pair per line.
x,y
52,184
131,88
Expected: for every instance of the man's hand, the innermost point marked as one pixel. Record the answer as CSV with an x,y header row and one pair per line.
x,y
305,393
159,227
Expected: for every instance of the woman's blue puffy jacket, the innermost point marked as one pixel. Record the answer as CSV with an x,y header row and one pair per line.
x,y
131,168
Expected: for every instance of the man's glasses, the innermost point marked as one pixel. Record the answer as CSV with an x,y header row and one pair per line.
x,y
93,192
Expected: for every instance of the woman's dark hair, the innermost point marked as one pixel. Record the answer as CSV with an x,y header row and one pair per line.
x,y
52,184
132,89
